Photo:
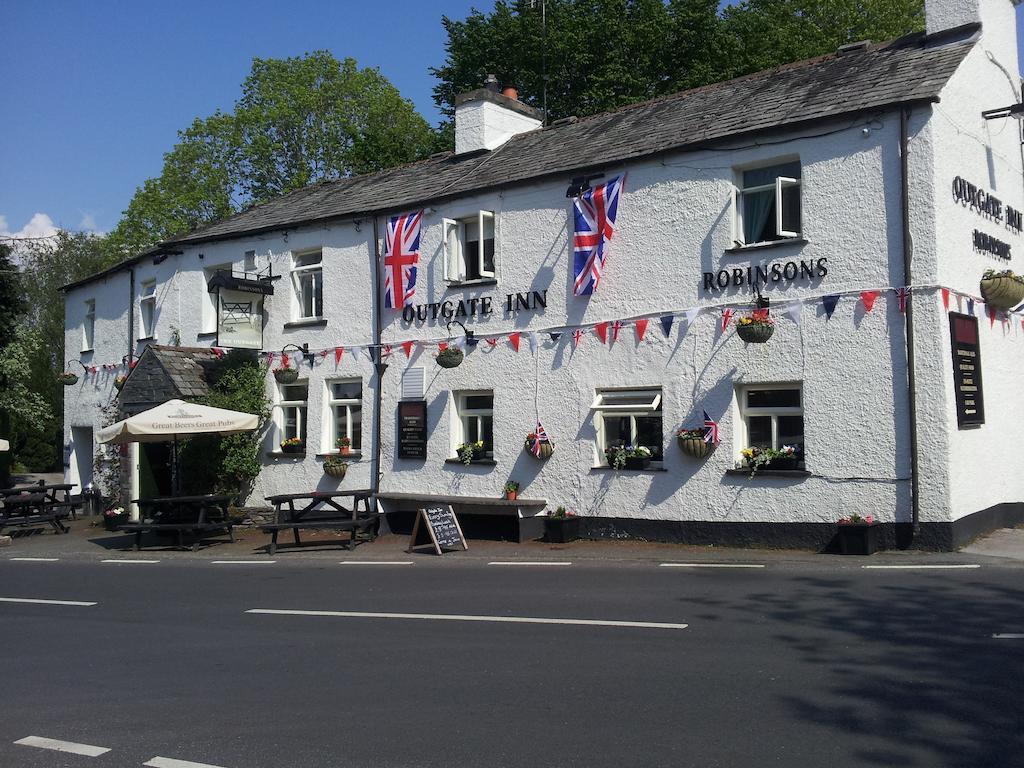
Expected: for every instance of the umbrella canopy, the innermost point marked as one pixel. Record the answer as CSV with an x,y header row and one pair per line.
x,y
4,445
175,419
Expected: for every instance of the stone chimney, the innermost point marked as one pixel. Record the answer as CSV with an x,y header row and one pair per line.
x,y
486,118
941,15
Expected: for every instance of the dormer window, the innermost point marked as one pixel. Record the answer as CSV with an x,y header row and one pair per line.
x,y
469,248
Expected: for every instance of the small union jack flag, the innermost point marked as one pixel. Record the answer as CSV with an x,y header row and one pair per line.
x,y
539,438
594,214
401,255
710,430
577,337
903,294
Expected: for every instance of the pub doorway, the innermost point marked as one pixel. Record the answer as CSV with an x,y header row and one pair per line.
x,y
154,470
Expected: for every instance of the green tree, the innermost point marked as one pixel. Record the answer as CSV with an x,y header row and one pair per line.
x,y
12,310
298,121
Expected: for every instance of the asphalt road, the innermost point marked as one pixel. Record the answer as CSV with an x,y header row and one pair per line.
x,y
782,665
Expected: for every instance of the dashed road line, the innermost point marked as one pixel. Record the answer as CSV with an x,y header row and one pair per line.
x,y
170,762
242,562
35,559
376,562
63,746
1008,636
38,601
710,565
131,562
921,567
471,617
531,562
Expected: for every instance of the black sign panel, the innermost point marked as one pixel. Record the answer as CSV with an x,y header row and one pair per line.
x,y
445,527
963,336
412,429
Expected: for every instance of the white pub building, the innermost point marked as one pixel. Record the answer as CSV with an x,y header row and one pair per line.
x,y
860,196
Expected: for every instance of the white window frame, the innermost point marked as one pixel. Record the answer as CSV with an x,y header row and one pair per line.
x,y
210,308
453,237
633,410
147,303
463,415
301,413
780,184
299,271
743,431
89,326
331,403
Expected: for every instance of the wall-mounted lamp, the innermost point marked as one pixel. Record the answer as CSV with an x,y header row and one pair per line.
x,y
1015,111
470,340
761,302
304,349
130,360
580,184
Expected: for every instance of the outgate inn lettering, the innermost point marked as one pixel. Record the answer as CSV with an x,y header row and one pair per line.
x,y
769,273
476,307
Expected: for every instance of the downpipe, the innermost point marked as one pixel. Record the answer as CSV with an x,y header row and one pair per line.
x,y
908,250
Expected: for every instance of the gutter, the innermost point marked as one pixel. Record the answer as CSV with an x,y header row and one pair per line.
x,y
908,252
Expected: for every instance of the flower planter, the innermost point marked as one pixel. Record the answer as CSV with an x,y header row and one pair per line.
x,y
858,538
695,447
336,471
68,379
286,375
293,448
637,462
1002,292
546,449
345,450
790,463
450,358
113,522
561,530
755,333
511,495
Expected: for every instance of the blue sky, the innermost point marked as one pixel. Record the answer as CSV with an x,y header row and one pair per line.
x,y
94,92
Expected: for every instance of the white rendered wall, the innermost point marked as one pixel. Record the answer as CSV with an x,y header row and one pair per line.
x,y
484,125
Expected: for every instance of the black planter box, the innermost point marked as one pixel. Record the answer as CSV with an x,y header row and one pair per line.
x,y
637,462
113,522
561,530
789,463
858,539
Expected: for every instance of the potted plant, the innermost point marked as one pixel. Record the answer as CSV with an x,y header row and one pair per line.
x,y
628,456
467,452
286,374
115,517
293,445
546,447
511,490
769,458
1002,290
615,456
561,526
335,467
344,445
67,378
692,442
858,535
450,357
755,328
119,381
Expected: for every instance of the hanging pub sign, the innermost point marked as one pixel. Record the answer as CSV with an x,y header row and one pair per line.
x,y
963,334
239,309
412,429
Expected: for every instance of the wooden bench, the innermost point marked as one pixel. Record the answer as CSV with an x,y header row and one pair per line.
x,y
198,515
322,510
527,514
32,510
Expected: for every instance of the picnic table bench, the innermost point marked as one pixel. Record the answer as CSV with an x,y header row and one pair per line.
x,y
32,506
322,510
197,515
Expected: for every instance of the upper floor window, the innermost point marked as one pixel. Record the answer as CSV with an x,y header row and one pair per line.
x,y
767,204
475,422
147,309
89,326
307,280
249,263
469,247
345,402
772,416
629,417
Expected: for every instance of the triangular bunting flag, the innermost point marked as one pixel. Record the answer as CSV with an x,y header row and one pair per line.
x,y
531,339
970,307
354,351
666,324
339,352
492,343
793,311
641,328
577,337
829,302
868,299
991,315
601,329
945,299
513,339
407,348
726,317
616,327
691,315
323,353
385,351
555,335
270,359
903,296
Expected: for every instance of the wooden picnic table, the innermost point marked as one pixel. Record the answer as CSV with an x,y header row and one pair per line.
x,y
198,515
322,509
32,509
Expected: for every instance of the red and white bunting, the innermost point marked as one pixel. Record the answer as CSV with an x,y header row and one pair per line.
x,y
945,299
641,328
616,327
868,299
601,329
407,348
339,352
513,339
492,342
903,296
727,314
577,337
531,339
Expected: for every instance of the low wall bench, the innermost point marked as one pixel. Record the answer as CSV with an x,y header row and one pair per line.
x,y
528,514
199,516
323,510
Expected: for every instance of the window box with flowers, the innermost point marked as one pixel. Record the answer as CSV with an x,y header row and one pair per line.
x,y
293,445
1002,290
470,452
561,526
858,535
692,442
628,457
755,328
785,458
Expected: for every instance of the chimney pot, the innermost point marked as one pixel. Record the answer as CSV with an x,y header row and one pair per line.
x,y
491,84
511,92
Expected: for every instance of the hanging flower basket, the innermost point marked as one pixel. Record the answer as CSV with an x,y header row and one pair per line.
x,y
67,379
1002,290
451,357
336,469
755,332
546,449
286,375
694,446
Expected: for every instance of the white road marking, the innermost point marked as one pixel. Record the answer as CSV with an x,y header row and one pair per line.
x,y
242,562
459,617
63,746
36,559
1008,636
920,567
709,565
533,562
131,562
169,762
376,562
43,602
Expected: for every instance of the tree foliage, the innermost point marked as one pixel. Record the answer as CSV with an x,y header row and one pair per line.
x,y
602,54
298,121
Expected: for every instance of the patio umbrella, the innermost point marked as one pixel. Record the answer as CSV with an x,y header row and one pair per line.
x,y
4,445
174,419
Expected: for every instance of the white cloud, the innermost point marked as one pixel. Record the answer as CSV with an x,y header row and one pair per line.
x,y
88,223
40,225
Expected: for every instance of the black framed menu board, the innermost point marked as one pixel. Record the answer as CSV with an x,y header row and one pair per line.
x,y
412,429
970,403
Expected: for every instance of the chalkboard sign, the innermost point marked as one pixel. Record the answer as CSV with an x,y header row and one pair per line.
x,y
442,526
412,429
970,404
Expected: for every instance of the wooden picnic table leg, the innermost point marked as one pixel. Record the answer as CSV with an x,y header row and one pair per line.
x,y
137,544
273,541
295,533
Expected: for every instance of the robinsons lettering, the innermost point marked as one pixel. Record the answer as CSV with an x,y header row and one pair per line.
x,y
769,273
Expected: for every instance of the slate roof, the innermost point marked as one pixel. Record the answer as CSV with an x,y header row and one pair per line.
x,y
163,373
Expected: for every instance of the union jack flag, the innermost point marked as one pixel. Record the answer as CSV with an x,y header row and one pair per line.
x,y
539,438
902,294
594,215
711,430
401,255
